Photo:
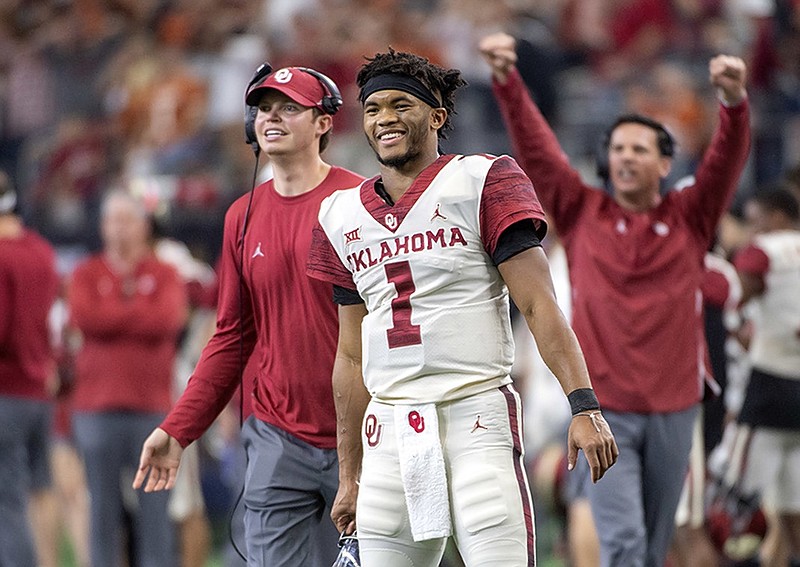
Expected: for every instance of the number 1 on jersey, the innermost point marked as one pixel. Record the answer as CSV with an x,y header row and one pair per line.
x,y
402,333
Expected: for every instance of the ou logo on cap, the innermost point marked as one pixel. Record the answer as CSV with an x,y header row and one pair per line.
x,y
283,75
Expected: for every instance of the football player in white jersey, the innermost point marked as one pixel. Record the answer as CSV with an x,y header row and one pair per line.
x,y
770,272
423,259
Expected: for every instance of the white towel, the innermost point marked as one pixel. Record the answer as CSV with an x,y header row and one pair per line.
x,y
422,470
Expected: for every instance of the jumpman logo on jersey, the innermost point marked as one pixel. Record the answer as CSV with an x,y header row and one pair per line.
x,y
437,213
258,251
478,425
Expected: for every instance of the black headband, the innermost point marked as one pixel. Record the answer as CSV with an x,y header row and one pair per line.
x,y
391,81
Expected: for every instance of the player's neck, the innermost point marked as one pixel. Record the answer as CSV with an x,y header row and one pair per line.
x,y
293,177
397,180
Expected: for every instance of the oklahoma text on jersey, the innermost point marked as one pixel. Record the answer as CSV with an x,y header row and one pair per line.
x,y
402,245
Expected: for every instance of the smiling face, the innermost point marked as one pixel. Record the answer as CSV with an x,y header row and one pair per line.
x,y
636,165
401,129
284,126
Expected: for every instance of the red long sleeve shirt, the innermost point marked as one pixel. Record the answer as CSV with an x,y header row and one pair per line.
x,y
636,276
28,288
289,322
130,327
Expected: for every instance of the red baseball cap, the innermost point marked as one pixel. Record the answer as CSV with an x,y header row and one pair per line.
x,y
301,87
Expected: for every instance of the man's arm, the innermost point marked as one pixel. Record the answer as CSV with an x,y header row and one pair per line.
x,y
6,307
752,286
536,148
217,374
717,176
214,380
350,398
752,265
527,276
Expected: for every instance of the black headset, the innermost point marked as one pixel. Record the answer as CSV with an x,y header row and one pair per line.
x,y
330,103
250,111
664,140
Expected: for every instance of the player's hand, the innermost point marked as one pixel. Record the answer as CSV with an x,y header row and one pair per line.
x,y
343,511
594,437
500,51
161,455
729,75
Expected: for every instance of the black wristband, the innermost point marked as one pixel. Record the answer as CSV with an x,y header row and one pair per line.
x,y
582,399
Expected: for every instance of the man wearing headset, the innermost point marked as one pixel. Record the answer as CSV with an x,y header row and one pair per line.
x,y
269,308
636,265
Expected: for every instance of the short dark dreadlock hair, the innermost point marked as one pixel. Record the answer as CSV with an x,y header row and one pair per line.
x,y
443,82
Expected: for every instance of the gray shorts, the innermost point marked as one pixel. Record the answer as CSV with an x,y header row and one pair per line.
x,y
24,467
32,421
289,489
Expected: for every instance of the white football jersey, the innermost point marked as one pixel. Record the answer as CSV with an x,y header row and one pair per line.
x,y
775,347
438,323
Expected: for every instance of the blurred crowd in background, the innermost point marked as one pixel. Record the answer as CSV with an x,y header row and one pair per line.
x,y
147,95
